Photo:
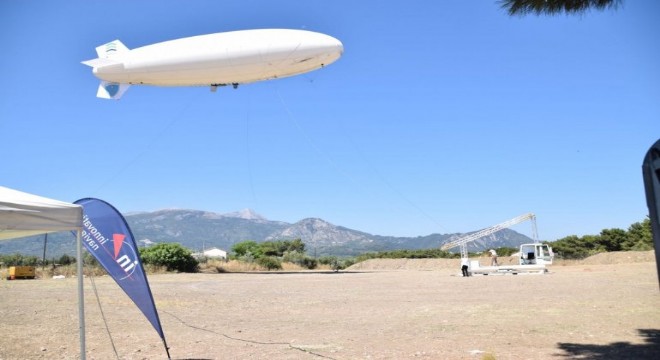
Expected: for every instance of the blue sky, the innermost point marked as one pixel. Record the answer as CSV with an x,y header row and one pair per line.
x,y
441,117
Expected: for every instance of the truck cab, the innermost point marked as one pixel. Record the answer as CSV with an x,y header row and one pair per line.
x,y
536,254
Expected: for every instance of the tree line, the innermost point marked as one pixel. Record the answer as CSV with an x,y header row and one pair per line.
x,y
271,254
638,237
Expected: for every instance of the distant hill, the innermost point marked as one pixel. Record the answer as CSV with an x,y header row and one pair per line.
x,y
200,229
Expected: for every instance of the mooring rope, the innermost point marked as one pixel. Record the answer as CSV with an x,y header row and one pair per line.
x,y
247,340
105,322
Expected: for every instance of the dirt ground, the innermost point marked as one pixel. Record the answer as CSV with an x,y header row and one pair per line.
x,y
594,309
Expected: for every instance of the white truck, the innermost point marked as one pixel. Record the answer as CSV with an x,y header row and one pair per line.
x,y
532,259
535,254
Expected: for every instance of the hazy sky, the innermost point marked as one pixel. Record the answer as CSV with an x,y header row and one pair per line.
x,y
441,117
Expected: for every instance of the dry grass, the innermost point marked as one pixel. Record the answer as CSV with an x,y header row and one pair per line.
x,y
488,356
212,266
68,271
236,266
221,266
292,267
48,272
153,269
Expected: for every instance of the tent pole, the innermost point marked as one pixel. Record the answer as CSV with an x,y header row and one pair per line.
x,y
81,298
43,259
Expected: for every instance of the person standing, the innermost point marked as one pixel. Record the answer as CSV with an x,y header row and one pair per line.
x,y
464,267
493,258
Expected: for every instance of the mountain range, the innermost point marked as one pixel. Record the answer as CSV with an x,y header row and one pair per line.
x,y
198,230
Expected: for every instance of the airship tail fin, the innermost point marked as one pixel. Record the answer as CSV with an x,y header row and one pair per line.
x,y
106,58
111,90
111,49
106,53
100,62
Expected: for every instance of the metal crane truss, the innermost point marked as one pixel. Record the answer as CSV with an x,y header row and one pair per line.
x,y
464,240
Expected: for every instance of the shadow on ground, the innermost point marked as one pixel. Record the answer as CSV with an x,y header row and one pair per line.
x,y
650,349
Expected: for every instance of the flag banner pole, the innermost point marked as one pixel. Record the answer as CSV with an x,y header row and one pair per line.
x,y
167,349
106,235
81,296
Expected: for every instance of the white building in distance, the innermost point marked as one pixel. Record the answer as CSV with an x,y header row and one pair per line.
x,y
213,253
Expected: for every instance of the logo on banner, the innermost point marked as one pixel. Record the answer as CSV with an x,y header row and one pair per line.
x,y
124,253
127,259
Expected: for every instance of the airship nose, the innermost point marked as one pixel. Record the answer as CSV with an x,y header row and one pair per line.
x,y
338,46
333,45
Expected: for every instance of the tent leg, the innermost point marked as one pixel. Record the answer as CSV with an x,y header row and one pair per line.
x,y
81,298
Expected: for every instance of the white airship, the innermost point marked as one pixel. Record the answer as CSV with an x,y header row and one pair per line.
x,y
229,58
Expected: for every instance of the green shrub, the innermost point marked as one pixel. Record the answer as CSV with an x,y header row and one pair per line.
x,y
406,254
300,259
346,263
248,258
243,248
170,255
19,260
327,260
335,263
309,263
66,260
270,262
276,248
90,260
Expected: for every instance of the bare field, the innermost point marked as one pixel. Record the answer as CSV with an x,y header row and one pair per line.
x,y
578,310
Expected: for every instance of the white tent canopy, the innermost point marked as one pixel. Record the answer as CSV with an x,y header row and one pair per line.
x,y
23,214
